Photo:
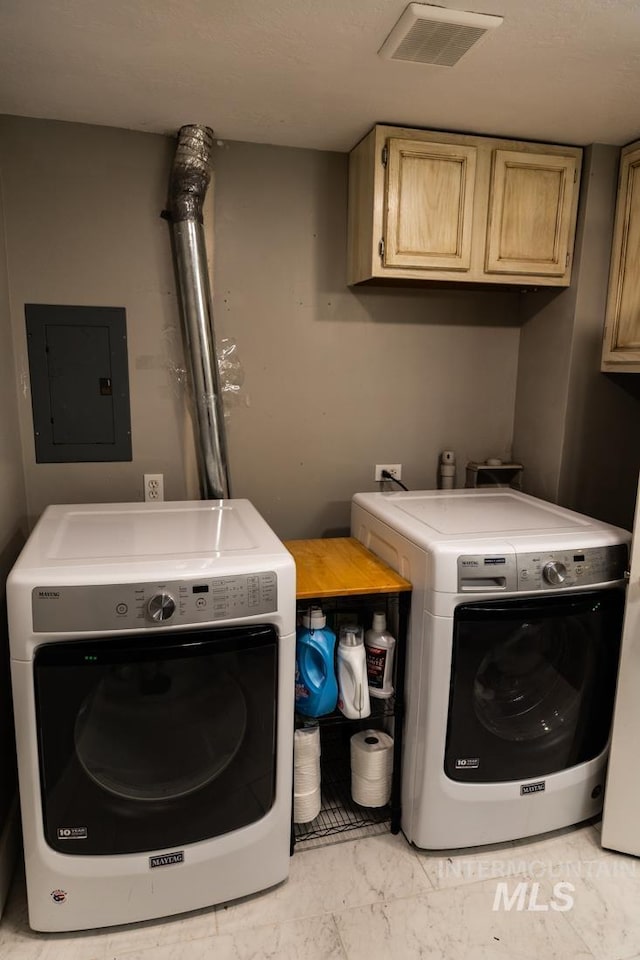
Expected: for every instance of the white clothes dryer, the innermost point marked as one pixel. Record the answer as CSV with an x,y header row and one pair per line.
x,y
152,658
512,659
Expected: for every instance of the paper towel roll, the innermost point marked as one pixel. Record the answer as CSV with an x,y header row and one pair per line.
x,y
371,767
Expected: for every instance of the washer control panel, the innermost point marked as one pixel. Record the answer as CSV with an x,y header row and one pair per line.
x,y
135,606
541,570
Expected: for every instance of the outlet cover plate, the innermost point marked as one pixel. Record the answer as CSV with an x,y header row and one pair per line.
x,y
395,469
154,487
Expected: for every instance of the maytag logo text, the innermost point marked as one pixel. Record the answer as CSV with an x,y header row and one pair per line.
x,y
166,859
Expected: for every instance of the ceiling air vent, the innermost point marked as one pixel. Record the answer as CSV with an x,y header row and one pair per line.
x,y
426,34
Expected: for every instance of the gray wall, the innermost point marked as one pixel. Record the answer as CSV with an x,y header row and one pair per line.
x,y
340,379
82,217
542,392
602,436
576,429
12,493
335,380
12,531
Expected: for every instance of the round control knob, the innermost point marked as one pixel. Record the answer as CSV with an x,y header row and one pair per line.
x,y
161,607
554,572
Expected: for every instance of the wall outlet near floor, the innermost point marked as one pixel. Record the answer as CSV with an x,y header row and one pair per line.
x,y
395,469
154,486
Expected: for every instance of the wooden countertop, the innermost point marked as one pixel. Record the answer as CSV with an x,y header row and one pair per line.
x,y
340,567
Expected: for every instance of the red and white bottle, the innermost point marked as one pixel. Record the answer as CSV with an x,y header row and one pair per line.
x,y
379,647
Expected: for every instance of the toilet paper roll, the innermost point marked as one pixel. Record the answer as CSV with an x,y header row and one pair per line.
x,y
306,743
306,777
372,754
306,807
370,793
306,760
371,768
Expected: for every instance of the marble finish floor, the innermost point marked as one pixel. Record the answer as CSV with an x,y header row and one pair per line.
x,y
556,896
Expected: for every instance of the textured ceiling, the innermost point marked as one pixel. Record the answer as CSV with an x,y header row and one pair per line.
x,y
306,73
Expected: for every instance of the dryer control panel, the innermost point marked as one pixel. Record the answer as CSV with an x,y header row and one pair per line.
x,y
554,569
542,569
135,606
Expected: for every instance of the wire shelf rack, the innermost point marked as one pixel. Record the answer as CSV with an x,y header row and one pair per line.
x,y
340,818
339,813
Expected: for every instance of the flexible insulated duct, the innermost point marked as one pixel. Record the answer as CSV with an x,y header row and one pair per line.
x,y
190,176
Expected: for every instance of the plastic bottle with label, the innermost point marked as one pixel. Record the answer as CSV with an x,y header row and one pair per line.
x,y
316,685
353,689
379,645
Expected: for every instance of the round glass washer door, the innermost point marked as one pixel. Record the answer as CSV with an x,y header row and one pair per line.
x,y
530,684
160,730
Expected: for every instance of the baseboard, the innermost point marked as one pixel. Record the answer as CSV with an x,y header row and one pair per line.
x,y
9,843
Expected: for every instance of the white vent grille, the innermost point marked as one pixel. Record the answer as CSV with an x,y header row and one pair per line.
x,y
426,34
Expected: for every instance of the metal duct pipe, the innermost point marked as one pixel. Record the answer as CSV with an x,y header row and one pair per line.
x,y
190,176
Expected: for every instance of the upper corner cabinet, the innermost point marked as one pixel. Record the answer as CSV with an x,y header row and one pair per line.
x,y
447,207
621,344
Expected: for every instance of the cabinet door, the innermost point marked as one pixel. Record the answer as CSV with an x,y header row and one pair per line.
x,y
622,326
429,205
530,214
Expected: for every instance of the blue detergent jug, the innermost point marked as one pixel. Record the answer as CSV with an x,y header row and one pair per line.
x,y
316,685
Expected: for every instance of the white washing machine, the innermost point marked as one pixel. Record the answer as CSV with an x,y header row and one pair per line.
x,y
512,658
152,659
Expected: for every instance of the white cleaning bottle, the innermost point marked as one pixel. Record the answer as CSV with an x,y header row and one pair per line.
x,y
379,646
353,689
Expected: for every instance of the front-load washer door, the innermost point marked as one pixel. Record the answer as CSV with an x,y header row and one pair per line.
x,y
532,685
148,743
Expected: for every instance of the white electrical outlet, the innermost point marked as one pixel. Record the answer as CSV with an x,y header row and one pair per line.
x,y
395,469
154,486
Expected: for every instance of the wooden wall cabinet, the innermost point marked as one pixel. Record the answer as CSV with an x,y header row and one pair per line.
x,y
437,206
621,345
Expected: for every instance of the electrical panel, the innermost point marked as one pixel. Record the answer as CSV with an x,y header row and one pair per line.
x,y
79,383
